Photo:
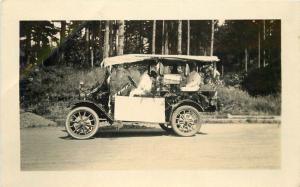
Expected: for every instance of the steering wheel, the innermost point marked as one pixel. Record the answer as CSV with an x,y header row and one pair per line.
x,y
132,81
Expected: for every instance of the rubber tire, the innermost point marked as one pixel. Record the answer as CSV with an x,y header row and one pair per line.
x,y
174,125
87,136
165,128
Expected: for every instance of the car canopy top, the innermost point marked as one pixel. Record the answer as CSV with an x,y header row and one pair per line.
x,y
133,58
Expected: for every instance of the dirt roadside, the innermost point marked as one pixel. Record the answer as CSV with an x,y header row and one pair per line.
x,y
218,146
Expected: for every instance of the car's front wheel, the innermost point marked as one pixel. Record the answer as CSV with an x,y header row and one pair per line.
x,y
186,121
82,123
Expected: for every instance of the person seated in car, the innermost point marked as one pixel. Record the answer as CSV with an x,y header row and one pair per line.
x,y
145,85
193,80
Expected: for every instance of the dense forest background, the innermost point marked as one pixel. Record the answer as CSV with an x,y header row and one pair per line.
x,y
55,55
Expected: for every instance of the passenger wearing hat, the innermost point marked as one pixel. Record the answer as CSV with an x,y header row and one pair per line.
x,y
145,85
193,80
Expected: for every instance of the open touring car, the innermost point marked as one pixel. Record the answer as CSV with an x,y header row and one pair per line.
x,y
168,102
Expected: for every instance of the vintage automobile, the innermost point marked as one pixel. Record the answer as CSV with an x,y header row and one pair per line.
x,y
168,104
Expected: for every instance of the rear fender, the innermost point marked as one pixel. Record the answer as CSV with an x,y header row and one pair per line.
x,y
98,109
185,102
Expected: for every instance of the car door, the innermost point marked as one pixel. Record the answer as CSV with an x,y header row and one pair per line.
x,y
140,109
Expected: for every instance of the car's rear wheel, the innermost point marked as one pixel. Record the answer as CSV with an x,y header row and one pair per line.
x,y
186,121
166,127
82,123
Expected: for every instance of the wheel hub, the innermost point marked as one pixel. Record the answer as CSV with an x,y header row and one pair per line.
x,y
82,122
186,121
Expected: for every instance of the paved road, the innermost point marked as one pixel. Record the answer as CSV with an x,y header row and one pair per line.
x,y
218,146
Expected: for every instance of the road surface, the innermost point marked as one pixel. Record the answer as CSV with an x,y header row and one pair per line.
x,y
218,146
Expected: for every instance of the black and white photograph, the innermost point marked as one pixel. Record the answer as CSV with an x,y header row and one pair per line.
x,y
150,94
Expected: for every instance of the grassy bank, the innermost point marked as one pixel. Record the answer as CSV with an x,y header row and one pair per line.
x,y
48,91
239,102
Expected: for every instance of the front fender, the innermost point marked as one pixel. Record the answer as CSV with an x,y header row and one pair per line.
x,y
190,103
97,108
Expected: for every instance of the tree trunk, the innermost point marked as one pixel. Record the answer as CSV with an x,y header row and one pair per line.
x,y
212,38
222,70
117,40
28,47
62,39
68,29
141,48
179,39
258,47
87,34
188,37
202,51
121,31
62,31
153,36
264,43
92,58
163,38
87,40
98,34
246,60
92,44
111,39
212,41
106,40
166,39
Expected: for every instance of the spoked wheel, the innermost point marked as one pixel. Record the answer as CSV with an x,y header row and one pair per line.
x,y
166,127
82,123
186,121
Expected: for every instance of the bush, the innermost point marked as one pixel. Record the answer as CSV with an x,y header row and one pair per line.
x,y
233,79
49,90
57,83
264,81
239,102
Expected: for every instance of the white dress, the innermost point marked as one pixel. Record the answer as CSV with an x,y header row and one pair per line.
x,y
143,87
193,82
